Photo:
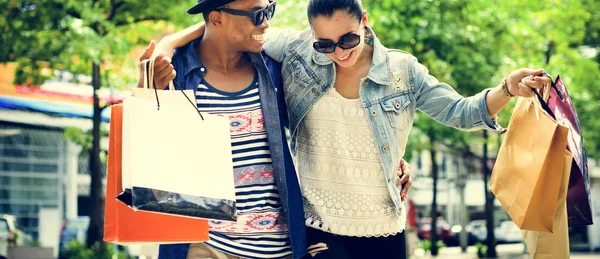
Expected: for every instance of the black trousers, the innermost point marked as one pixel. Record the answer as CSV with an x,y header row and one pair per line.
x,y
345,247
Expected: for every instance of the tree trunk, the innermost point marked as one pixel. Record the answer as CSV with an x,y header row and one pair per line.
x,y
463,211
95,233
433,236
489,202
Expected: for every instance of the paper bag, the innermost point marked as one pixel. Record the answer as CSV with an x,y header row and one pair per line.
x,y
123,225
172,97
541,245
578,196
532,154
178,160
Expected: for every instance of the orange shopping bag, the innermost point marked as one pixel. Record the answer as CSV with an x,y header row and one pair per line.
x,y
123,225
526,178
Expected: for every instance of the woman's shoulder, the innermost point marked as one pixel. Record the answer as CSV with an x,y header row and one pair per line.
x,y
399,60
302,38
397,55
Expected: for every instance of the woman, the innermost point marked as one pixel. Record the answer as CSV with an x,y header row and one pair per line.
x,y
351,104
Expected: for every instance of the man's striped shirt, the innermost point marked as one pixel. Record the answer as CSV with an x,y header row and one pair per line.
x,y
260,231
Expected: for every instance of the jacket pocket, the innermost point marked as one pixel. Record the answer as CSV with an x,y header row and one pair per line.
x,y
396,109
298,72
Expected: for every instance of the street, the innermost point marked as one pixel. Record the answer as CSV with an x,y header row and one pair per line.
x,y
508,251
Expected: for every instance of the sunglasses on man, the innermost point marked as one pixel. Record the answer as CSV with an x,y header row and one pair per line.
x,y
258,16
347,41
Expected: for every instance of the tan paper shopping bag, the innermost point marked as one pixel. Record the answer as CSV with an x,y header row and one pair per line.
x,y
555,245
524,179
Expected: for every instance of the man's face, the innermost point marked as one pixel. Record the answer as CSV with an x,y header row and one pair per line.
x,y
240,31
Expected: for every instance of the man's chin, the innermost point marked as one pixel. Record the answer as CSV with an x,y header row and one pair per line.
x,y
256,50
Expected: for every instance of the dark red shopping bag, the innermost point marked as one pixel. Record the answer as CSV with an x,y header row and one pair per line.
x,y
578,196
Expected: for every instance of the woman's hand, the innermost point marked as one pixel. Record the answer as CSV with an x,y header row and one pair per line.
x,y
522,82
404,181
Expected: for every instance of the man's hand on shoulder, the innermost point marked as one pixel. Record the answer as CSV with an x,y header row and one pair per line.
x,y
164,72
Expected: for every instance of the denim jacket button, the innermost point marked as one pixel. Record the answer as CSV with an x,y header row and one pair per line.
x,y
315,91
397,106
385,148
374,113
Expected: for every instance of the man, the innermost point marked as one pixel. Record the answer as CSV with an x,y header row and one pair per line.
x,y
232,78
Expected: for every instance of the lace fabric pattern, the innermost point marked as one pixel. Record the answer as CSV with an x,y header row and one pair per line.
x,y
342,179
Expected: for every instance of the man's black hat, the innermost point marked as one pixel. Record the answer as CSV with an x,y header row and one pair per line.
x,y
207,5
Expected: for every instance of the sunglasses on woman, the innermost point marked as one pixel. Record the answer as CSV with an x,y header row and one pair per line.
x,y
258,16
347,41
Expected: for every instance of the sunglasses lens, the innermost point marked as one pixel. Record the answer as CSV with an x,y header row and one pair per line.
x,y
259,18
270,11
324,47
349,41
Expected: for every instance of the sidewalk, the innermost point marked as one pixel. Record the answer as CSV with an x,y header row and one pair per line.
x,y
509,251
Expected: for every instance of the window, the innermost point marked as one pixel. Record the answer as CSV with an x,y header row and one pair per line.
x,y
4,226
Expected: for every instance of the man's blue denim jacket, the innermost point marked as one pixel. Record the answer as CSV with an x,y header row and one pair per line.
x,y
190,72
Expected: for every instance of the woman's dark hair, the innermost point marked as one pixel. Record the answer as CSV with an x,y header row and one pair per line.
x,y
328,7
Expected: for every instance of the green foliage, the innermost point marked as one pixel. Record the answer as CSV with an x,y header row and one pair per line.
x,y
426,244
33,243
70,34
82,138
291,14
473,45
481,250
78,250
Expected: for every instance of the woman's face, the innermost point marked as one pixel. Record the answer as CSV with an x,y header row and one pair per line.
x,y
340,24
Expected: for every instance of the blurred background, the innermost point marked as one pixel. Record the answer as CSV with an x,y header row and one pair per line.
x,y
64,62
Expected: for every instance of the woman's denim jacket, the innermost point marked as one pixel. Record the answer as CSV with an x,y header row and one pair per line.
x,y
396,86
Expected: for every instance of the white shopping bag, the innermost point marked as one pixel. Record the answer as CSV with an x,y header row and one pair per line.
x,y
178,161
171,98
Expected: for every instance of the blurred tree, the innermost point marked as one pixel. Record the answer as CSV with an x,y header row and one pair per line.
x,y
291,14
564,38
79,35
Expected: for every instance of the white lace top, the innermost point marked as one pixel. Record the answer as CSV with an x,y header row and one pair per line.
x,y
340,172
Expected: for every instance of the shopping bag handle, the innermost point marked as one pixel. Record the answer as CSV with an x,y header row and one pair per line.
x,y
541,100
149,83
543,103
149,80
560,94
